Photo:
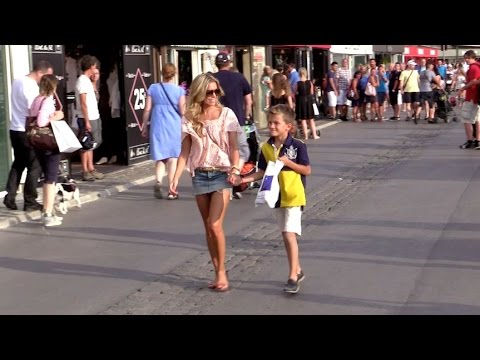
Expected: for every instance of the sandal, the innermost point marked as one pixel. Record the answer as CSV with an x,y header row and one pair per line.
x,y
172,197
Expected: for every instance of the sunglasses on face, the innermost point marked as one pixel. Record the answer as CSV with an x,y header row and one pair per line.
x,y
211,92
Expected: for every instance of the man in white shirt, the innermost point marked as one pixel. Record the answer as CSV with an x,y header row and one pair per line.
x,y
24,91
88,116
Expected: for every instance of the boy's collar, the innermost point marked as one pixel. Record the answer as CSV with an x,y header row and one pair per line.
x,y
288,141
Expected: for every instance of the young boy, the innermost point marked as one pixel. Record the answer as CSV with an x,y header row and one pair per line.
x,y
292,199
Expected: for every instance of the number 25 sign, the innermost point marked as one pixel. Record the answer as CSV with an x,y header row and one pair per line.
x,y
138,96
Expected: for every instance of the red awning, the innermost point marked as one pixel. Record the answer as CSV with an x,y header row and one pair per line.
x,y
326,47
420,51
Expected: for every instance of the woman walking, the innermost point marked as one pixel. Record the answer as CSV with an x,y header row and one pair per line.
x,y
164,109
210,154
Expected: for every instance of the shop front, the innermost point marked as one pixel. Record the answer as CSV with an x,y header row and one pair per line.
x,y
416,52
385,54
314,58
356,54
132,65
190,60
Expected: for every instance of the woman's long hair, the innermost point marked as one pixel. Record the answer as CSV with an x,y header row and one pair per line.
x,y
198,93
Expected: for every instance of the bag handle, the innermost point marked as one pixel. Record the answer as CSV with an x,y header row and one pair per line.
x,y
170,100
404,85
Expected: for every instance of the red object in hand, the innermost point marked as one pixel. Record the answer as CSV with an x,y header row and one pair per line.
x,y
453,100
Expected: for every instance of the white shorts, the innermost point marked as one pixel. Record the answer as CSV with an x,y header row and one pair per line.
x,y
342,97
470,112
332,99
289,219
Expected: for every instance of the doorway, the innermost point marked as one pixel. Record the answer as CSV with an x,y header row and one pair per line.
x,y
114,131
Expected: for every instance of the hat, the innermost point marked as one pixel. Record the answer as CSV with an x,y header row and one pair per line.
x,y
222,58
411,62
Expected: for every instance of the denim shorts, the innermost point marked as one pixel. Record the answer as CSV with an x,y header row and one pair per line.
x,y
206,182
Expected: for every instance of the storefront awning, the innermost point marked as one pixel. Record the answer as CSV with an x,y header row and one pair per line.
x,y
420,51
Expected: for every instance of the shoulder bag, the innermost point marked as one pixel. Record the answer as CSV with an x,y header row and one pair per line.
x,y
170,100
405,85
40,137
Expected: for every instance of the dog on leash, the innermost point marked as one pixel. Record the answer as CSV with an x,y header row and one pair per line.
x,y
66,189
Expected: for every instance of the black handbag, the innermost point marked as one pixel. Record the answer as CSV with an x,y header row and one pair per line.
x,y
87,140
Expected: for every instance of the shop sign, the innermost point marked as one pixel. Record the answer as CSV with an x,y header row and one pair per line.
x,y
56,49
137,77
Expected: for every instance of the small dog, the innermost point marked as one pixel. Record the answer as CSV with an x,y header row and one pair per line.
x,y
66,189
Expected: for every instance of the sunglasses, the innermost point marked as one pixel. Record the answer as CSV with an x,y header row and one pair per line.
x,y
217,92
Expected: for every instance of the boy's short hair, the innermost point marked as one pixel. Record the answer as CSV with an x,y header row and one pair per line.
x,y
282,109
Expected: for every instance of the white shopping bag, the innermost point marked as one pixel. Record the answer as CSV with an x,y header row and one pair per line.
x,y
66,140
399,98
269,191
315,109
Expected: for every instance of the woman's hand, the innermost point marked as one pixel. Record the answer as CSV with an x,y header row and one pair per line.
x,y
233,179
173,187
58,115
145,132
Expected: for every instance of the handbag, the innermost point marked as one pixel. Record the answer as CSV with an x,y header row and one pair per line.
x,y
87,140
40,137
350,95
66,140
170,100
370,90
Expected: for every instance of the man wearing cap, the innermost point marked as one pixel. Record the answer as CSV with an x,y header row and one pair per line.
x,y
238,97
409,86
238,94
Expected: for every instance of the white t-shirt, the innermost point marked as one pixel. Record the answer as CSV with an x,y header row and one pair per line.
x,y
24,91
84,86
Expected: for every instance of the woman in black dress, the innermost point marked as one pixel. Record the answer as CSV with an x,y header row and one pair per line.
x,y
304,104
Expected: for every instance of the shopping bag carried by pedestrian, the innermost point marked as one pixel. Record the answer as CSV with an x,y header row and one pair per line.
x,y
66,139
269,190
40,137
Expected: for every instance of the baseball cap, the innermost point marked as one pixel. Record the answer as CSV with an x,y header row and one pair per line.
x,y
222,58
411,62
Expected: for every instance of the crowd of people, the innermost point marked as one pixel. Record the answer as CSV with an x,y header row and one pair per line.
x,y
209,133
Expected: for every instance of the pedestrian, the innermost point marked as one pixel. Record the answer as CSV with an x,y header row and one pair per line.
x,y
288,209
24,91
210,153
164,110
470,108
44,108
88,115
238,97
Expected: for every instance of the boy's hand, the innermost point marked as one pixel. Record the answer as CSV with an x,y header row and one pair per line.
x,y
285,160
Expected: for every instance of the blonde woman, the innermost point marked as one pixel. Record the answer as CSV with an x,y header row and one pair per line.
x,y
210,153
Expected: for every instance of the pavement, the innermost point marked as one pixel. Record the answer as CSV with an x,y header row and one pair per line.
x,y
119,178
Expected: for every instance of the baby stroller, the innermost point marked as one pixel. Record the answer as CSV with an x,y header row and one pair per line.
x,y
250,166
443,108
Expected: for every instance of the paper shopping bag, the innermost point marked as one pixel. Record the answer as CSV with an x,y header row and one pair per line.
x,y
66,140
269,191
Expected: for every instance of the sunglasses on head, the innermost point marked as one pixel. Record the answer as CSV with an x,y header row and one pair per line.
x,y
211,92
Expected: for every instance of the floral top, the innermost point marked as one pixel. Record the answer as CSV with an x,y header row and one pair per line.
x,y
213,148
